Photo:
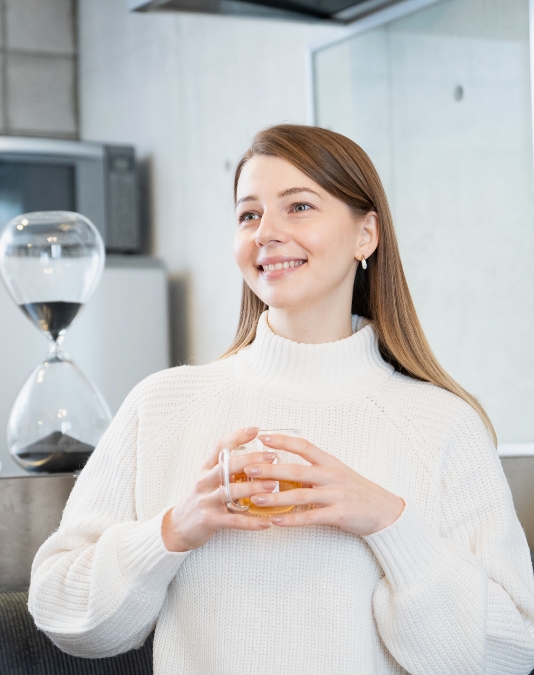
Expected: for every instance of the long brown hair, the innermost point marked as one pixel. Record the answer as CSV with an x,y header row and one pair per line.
x,y
380,293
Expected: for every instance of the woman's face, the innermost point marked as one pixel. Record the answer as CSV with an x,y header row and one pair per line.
x,y
297,245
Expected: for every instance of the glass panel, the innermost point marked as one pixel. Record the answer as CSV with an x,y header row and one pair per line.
x,y
440,100
26,186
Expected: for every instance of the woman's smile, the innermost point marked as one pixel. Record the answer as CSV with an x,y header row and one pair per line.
x,y
275,267
287,224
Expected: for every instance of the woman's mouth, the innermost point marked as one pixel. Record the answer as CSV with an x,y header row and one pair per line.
x,y
281,265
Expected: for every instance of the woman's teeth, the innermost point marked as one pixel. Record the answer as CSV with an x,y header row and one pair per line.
x,y
284,265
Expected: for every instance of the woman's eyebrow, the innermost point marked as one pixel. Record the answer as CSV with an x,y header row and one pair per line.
x,y
294,190
250,198
284,193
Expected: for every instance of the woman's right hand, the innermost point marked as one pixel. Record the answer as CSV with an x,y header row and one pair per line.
x,y
195,520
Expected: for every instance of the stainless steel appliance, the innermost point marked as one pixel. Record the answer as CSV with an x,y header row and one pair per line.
x,y
95,179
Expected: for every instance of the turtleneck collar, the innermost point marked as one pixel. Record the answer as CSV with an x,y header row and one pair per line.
x,y
308,372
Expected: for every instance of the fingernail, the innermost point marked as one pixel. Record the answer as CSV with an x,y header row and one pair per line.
x,y
257,499
250,430
277,520
267,439
268,484
269,456
252,470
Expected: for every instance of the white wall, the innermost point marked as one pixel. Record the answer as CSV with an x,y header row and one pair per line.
x,y
459,175
190,91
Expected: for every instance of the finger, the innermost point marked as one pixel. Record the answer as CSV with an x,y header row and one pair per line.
x,y
239,437
301,447
225,520
221,518
213,477
296,497
239,491
321,516
249,488
298,473
234,521
238,462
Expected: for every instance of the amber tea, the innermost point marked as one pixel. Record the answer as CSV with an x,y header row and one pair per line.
x,y
256,510
245,505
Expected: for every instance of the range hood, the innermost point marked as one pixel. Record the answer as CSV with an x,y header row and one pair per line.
x,y
332,11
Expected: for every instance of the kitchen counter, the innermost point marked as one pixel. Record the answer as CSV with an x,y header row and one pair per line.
x,y
30,510
31,506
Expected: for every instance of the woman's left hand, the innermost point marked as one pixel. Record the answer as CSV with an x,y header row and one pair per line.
x,y
341,496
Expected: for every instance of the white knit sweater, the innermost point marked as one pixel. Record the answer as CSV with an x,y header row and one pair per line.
x,y
445,590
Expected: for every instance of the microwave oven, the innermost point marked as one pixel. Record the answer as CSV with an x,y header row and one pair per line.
x,y
95,179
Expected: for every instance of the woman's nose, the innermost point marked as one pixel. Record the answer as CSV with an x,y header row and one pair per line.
x,y
269,231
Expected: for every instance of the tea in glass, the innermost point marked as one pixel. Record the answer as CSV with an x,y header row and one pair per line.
x,y
245,505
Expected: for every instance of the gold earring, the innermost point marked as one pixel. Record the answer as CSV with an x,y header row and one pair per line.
x,y
364,263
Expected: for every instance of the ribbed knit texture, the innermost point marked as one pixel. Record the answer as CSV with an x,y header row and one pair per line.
x,y
445,590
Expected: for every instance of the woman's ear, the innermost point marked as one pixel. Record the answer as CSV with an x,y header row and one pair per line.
x,y
368,235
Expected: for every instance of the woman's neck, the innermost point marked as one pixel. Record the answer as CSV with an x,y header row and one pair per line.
x,y
311,325
326,371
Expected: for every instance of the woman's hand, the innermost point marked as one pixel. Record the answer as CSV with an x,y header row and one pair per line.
x,y
342,497
202,513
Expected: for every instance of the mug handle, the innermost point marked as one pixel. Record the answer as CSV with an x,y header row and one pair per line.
x,y
233,507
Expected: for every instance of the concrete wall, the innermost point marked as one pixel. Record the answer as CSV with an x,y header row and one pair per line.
x,y
458,168
38,68
190,91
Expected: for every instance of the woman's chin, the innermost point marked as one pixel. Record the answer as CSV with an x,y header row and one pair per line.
x,y
285,304
287,297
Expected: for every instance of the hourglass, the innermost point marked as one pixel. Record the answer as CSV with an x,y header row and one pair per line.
x,y
51,263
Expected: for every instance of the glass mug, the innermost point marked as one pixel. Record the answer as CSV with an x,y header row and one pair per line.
x,y
244,505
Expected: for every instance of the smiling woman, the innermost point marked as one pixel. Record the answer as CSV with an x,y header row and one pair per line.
x,y
350,209
390,546
299,256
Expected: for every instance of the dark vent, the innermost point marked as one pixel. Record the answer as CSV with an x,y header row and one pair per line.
x,y
332,11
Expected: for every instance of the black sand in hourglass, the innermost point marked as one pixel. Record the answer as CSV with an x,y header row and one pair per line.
x,y
56,453
51,317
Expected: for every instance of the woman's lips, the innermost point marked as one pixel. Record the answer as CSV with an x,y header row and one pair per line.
x,y
270,274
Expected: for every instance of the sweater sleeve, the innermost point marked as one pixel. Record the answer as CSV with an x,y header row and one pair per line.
x,y
99,582
459,600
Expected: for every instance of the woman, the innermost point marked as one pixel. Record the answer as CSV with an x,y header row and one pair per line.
x,y
412,560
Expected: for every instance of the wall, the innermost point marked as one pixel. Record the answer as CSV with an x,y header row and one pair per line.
x,y
458,169
190,91
38,68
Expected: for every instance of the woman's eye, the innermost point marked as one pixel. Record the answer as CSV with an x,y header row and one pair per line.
x,y
246,217
301,207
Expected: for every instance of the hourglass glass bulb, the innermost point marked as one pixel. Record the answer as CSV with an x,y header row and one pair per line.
x,y
57,418
51,263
